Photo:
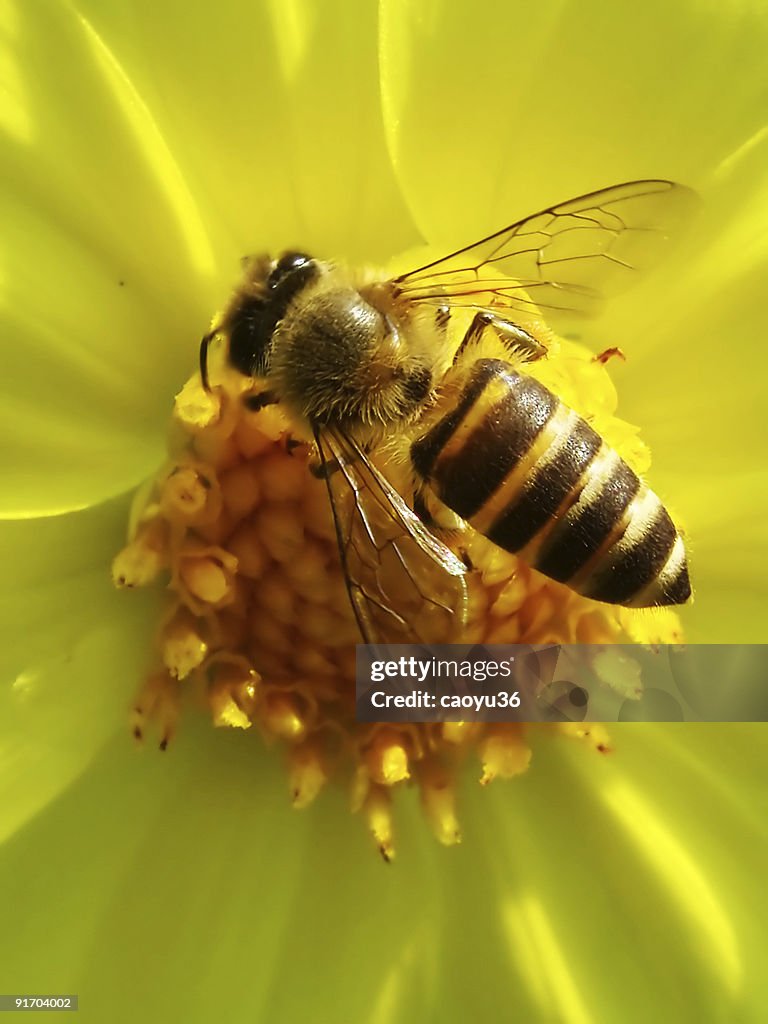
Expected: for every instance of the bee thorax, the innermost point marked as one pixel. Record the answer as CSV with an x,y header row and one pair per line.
x,y
338,360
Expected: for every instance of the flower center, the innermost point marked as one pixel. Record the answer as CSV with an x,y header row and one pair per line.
x,y
259,622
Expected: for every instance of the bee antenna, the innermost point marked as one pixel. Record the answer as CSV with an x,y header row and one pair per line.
x,y
207,339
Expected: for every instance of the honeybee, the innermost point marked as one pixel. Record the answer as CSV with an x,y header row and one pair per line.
x,y
357,360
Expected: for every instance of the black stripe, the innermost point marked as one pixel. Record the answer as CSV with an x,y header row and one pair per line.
x,y
546,490
425,451
505,434
585,528
617,579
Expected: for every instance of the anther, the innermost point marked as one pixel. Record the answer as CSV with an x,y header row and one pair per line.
x,y
190,496
182,645
207,574
387,758
307,773
438,799
503,752
139,563
232,694
377,808
283,715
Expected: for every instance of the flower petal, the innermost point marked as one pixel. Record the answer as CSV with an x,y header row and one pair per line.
x,y
694,378
129,269
273,110
69,656
201,887
195,890
100,245
537,106
627,849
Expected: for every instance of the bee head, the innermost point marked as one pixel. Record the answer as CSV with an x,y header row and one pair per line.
x,y
251,323
292,270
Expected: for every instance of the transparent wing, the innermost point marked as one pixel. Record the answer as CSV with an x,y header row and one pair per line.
x,y
405,586
565,259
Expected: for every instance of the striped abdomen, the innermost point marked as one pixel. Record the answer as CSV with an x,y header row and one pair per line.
x,y
531,475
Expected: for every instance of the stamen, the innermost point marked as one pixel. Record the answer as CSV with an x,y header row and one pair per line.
x,y
158,699
240,489
307,773
459,733
595,735
182,644
144,558
378,810
232,693
205,575
387,758
196,409
438,799
504,752
190,495
206,579
283,715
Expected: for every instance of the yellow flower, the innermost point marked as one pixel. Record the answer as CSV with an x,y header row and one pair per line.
x,y
146,148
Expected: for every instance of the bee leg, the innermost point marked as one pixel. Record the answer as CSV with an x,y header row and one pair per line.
x,y
323,470
255,402
292,443
464,556
442,530
442,316
422,511
514,338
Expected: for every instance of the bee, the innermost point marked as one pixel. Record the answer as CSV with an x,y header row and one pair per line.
x,y
357,359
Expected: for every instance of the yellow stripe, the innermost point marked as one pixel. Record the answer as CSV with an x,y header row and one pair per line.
x,y
493,393
668,572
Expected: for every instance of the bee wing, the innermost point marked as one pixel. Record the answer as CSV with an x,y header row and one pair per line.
x,y
405,586
565,259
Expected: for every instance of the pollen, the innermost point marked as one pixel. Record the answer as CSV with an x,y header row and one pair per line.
x,y
387,758
504,752
258,626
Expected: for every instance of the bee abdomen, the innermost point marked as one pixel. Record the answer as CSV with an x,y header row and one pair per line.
x,y
531,475
617,542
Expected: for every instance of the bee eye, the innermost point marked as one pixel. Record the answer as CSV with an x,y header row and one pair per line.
x,y
286,265
249,337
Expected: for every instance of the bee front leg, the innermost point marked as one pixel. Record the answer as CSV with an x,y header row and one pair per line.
x,y
443,523
254,402
512,337
322,468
